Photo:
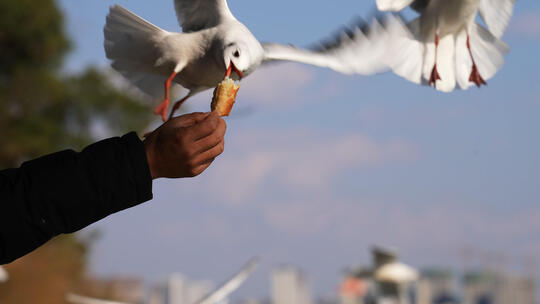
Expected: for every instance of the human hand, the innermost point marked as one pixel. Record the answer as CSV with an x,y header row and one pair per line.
x,y
186,145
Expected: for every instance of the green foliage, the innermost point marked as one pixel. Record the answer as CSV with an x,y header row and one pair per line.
x,y
40,110
31,35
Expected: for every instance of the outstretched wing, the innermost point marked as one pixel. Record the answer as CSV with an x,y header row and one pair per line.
x,y
496,14
357,51
131,45
393,5
231,285
195,15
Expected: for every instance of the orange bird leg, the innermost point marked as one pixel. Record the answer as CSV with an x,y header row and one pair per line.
x,y
475,75
177,105
161,109
434,73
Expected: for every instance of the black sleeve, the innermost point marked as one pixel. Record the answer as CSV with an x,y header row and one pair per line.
x,y
67,191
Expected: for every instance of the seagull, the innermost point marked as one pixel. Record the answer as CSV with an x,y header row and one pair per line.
x,y
213,45
445,47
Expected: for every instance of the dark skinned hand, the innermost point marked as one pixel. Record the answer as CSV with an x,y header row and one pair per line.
x,y
186,145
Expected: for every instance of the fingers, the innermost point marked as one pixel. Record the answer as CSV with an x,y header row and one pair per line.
x,y
207,126
210,154
213,139
200,169
189,120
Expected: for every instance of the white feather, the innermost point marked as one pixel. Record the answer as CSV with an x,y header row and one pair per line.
x,y
453,21
130,42
393,5
463,61
363,53
408,62
150,84
496,14
446,64
201,14
429,60
488,51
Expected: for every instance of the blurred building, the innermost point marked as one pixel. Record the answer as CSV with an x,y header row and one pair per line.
x,y
487,287
251,301
177,289
290,286
437,286
125,289
357,286
387,281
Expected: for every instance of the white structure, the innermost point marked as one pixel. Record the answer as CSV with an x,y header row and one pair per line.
x,y
3,275
397,273
179,290
289,286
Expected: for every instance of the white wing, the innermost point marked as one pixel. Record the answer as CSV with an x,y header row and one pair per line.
x,y
393,5
359,51
195,15
76,299
131,45
487,50
496,14
231,285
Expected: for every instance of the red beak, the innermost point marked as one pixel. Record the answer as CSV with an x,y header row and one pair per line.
x,y
232,68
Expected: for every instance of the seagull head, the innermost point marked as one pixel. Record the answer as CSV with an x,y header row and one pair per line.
x,y
236,59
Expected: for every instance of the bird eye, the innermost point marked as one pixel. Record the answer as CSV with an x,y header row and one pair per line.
x,y
236,54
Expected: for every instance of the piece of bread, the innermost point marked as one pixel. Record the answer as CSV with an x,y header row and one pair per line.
x,y
224,96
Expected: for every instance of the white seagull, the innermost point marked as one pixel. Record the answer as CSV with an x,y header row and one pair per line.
x,y
445,45
214,43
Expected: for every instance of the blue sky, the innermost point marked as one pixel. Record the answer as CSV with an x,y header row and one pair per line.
x,y
317,171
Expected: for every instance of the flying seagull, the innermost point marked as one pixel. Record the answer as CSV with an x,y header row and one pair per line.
x,y
214,43
445,46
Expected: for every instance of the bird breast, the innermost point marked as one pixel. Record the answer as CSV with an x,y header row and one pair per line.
x,y
450,16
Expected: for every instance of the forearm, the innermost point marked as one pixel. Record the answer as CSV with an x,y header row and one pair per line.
x,y
67,191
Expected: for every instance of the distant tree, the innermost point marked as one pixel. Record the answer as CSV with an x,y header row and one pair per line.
x,y
43,111
40,110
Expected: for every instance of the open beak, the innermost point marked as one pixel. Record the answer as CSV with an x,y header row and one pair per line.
x,y
232,68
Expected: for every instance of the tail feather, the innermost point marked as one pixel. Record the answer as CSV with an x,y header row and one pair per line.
x,y
130,44
412,56
405,50
446,64
463,61
488,51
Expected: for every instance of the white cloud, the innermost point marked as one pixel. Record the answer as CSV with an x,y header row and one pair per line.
x,y
439,231
295,161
